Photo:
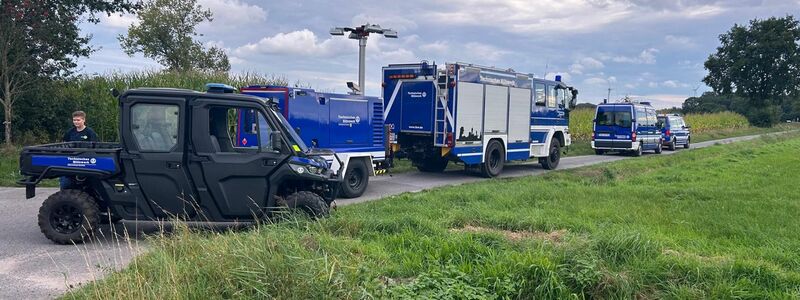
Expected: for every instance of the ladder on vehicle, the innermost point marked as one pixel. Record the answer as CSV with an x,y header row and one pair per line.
x,y
441,113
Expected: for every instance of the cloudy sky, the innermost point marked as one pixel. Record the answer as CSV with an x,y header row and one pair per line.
x,y
645,49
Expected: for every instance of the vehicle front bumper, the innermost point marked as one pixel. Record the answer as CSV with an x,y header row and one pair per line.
x,y
621,145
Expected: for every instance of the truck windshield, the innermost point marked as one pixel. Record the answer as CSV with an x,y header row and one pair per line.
x,y
294,139
609,117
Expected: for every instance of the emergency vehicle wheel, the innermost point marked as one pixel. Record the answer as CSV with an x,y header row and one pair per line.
x,y
686,146
495,159
355,180
433,164
599,152
69,216
553,157
658,149
672,145
310,203
638,152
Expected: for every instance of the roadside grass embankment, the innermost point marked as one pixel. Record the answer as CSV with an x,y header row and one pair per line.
x,y
718,222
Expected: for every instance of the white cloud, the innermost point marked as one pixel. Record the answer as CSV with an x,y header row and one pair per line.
x,y
484,52
435,47
119,21
647,56
670,84
301,43
680,41
233,13
652,84
391,21
584,64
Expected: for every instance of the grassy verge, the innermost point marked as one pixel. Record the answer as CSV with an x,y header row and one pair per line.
x,y
9,169
688,225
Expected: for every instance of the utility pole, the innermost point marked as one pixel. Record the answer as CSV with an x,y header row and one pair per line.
x,y
361,33
609,94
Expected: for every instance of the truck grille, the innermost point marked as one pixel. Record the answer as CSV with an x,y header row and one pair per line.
x,y
377,123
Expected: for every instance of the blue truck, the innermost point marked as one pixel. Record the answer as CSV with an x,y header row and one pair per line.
x,y
350,125
626,127
476,115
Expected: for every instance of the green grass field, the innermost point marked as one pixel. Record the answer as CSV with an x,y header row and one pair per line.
x,y
719,222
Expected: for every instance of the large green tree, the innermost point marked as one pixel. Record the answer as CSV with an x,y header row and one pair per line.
x,y
759,62
40,40
166,31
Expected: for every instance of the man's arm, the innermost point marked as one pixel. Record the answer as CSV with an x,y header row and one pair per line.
x,y
92,135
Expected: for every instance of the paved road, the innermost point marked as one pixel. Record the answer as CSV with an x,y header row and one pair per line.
x,y
32,267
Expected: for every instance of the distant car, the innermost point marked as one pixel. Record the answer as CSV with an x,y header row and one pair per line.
x,y
674,131
625,127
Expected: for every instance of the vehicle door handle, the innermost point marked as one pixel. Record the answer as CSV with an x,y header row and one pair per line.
x,y
173,165
270,162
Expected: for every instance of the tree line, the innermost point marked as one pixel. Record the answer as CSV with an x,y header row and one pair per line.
x,y
755,72
40,42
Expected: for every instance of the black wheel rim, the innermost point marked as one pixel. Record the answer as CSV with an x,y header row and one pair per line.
x,y
494,159
554,154
66,218
354,180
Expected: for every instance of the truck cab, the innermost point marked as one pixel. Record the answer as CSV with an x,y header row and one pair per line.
x,y
178,158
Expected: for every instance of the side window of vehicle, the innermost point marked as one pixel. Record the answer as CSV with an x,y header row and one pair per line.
x,y
155,126
265,136
641,117
675,123
552,95
651,117
539,94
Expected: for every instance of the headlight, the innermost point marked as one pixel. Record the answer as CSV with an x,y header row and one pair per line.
x,y
302,169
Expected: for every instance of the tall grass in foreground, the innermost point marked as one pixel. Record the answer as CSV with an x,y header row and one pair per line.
x,y
687,225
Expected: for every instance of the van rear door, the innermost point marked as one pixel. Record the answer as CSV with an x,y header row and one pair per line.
x,y
612,126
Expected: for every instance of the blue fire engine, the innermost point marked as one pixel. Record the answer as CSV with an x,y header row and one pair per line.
x,y
350,125
475,115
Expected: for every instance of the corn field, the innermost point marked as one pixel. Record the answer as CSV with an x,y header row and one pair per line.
x,y
580,122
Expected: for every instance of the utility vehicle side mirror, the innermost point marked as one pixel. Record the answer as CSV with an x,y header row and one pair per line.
x,y
276,140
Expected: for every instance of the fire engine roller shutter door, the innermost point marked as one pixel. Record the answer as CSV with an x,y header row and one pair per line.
x,y
519,116
469,115
496,109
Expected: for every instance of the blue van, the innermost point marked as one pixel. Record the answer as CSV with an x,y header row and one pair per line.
x,y
626,127
674,131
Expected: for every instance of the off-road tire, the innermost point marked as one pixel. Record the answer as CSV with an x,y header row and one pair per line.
x,y
69,216
435,164
495,159
356,179
308,202
672,145
553,156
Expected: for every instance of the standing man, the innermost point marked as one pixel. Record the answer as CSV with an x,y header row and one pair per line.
x,y
79,133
